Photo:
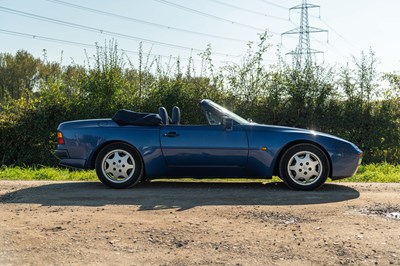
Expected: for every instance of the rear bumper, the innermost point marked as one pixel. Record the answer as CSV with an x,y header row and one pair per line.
x,y
65,160
61,154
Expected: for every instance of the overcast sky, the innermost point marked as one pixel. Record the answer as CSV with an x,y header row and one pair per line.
x,y
353,26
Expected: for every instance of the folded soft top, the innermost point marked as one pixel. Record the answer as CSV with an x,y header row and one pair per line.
x,y
127,117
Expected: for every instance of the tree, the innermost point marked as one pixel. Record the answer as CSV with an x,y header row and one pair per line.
x,y
17,74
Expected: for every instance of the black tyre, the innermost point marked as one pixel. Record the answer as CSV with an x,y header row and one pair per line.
x,y
304,167
119,165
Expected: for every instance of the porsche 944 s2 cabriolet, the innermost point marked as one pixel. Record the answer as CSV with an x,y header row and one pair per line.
x,y
132,146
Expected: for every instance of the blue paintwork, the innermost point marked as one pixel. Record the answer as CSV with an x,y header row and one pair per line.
x,y
202,150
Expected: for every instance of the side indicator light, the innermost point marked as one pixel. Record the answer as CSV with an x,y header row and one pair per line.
x,y
361,157
60,138
264,149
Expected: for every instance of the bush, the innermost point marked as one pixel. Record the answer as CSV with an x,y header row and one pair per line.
x,y
344,102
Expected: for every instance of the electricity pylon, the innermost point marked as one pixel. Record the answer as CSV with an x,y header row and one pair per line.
x,y
302,55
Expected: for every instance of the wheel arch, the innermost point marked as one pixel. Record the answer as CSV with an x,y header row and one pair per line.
x,y
297,142
92,161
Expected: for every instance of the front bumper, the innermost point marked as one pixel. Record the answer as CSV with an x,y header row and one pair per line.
x,y
347,167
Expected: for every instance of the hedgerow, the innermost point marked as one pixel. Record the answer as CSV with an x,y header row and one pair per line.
x,y
354,101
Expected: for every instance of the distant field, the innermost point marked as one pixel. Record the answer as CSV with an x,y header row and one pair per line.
x,y
383,173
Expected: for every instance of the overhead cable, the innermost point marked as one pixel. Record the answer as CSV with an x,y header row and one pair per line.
x,y
191,10
274,4
144,22
80,44
105,32
247,10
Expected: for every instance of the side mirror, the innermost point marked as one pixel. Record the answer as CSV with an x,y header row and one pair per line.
x,y
227,122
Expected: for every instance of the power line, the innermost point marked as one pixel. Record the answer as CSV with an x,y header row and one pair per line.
x,y
43,38
248,10
331,47
274,4
85,45
341,36
188,31
105,32
191,10
109,14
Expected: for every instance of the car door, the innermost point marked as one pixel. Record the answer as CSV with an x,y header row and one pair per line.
x,y
204,146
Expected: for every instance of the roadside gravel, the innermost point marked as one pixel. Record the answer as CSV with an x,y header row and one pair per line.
x,y
161,223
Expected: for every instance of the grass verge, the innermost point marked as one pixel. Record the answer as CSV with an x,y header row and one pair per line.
x,y
379,172
383,173
45,173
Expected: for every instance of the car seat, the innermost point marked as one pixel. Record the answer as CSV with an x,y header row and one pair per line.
x,y
164,115
176,115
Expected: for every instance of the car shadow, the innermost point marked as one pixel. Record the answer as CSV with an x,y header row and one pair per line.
x,y
177,195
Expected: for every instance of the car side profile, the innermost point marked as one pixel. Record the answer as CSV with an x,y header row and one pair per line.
x,y
132,146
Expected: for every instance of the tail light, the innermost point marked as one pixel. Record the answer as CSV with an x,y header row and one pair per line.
x,y
60,138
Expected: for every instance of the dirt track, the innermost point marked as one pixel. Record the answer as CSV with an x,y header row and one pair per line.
x,y
198,224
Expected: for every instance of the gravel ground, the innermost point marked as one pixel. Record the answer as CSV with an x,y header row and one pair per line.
x,y
161,223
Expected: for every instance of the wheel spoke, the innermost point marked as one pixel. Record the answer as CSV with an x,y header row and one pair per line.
x,y
109,163
314,164
123,174
297,159
314,173
129,166
302,178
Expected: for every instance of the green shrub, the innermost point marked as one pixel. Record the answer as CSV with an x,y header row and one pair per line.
x,y
345,102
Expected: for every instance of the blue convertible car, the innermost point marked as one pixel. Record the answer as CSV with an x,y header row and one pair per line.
x,y
132,146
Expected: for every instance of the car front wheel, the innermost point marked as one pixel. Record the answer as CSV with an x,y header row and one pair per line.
x,y
304,167
118,165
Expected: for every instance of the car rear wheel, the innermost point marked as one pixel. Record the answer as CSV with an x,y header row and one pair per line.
x,y
118,165
304,167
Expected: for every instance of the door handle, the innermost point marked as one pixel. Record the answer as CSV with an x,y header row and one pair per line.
x,y
171,134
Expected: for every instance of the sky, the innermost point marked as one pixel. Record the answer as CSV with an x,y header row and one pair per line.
x,y
69,29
